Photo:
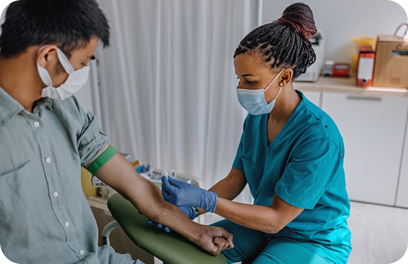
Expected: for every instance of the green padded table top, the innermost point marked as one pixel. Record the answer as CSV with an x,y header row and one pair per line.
x,y
171,247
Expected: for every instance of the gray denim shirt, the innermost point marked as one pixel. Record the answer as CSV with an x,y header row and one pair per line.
x,y
44,215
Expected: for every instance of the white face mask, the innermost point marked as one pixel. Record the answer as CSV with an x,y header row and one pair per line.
x,y
76,79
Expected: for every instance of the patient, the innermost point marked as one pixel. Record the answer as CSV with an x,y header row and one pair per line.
x,y
45,138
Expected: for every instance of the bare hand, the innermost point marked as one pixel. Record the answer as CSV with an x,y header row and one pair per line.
x,y
215,239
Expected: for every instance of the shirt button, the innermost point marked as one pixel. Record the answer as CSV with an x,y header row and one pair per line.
x,y
55,194
67,224
36,124
81,252
48,160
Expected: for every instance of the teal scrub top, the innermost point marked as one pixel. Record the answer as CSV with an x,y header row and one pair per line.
x,y
304,166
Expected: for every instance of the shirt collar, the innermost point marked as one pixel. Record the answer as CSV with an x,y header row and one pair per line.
x,y
9,107
42,102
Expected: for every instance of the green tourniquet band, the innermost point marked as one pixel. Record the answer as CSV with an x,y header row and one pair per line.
x,y
101,160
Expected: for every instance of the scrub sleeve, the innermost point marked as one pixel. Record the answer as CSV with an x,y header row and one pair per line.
x,y
308,175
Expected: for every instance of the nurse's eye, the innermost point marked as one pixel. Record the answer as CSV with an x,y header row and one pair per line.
x,y
249,82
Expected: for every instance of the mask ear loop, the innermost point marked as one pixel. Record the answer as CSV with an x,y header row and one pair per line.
x,y
278,93
280,84
66,64
274,80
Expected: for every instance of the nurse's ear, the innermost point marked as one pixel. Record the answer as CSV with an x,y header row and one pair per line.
x,y
286,77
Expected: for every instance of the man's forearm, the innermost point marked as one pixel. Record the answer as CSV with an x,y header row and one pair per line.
x,y
146,197
158,210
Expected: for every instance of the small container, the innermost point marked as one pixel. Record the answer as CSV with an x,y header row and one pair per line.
x,y
341,70
328,68
357,42
365,67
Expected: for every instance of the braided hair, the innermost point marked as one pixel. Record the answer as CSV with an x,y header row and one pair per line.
x,y
284,43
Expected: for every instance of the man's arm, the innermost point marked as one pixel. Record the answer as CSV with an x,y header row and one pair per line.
x,y
147,198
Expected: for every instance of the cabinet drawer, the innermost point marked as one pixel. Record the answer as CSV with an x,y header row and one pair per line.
x,y
373,133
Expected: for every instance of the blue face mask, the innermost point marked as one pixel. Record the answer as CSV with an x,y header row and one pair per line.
x,y
254,100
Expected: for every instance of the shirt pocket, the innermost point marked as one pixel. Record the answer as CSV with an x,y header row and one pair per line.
x,y
15,191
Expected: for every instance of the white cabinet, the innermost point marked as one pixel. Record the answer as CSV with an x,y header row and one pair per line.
x,y
313,97
373,132
402,197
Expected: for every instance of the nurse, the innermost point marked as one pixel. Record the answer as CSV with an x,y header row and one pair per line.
x,y
291,156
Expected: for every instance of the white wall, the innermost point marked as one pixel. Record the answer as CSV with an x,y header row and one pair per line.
x,y
3,7
343,20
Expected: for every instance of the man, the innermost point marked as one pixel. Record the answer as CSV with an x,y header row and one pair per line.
x,y
45,138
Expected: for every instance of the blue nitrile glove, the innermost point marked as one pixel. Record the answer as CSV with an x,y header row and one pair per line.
x,y
183,194
188,211
160,226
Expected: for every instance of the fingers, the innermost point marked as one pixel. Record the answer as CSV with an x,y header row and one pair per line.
x,y
174,182
221,243
215,250
227,236
159,226
166,187
167,184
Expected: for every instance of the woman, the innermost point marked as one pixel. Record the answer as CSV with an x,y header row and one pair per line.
x,y
291,155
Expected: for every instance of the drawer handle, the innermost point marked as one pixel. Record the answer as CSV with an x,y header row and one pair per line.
x,y
374,99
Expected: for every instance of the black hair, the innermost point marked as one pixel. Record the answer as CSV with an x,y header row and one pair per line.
x,y
69,24
284,43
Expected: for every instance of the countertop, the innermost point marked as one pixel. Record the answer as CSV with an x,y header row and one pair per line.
x,y
348,86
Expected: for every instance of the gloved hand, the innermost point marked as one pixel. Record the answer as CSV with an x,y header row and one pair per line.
x,y
183,194
188,211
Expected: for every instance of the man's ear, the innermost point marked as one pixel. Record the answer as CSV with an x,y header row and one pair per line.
x,y
286,76
47,55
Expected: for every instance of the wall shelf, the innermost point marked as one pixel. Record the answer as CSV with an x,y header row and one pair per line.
x,y
348,86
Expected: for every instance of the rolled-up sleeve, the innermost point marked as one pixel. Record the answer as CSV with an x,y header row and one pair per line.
x,y
91,140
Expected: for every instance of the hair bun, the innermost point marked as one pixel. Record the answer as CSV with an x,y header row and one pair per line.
x,y
299,17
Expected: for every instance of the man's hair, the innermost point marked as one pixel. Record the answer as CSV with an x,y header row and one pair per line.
x,y
69,24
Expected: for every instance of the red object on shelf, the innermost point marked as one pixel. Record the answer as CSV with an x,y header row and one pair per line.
x,y
341,70
365,67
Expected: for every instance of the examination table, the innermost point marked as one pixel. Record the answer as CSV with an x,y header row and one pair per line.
x,y
171,247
